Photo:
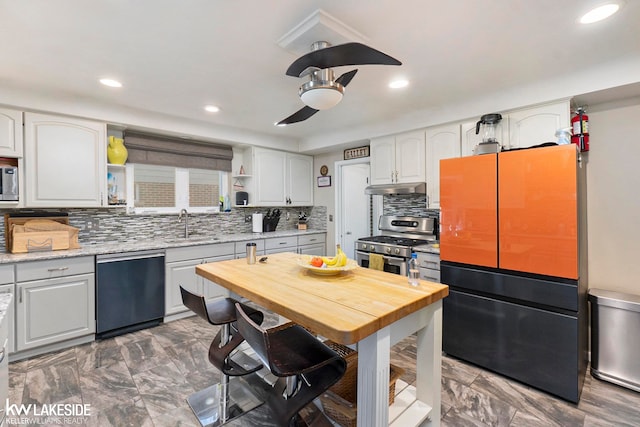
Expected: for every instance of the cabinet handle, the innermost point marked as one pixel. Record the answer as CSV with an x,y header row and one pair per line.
x,y
282,243
396,176
4,352
312,240
21,293
58,269
391,176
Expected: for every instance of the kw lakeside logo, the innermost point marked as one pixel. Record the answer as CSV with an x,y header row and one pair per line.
x,y
51,414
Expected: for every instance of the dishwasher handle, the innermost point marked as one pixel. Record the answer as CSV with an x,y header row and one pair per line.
x,y
101,259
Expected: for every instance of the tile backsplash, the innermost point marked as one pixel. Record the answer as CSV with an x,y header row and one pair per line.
x,y
115,225
407,205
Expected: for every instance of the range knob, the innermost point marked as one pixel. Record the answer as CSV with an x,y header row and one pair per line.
x,y
387,250
397,251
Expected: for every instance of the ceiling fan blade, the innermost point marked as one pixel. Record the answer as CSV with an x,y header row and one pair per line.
x,y
336,56
302,114
346,77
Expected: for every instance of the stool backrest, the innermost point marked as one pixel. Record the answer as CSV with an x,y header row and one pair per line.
x,y
255,336
195,303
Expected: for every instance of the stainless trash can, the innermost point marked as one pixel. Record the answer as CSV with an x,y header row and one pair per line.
x,y
615,337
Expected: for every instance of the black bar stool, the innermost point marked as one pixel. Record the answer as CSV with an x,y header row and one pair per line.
x,y
224,401
306,365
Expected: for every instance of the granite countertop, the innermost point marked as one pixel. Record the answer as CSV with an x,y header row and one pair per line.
x,y
432,248
5,302
149,244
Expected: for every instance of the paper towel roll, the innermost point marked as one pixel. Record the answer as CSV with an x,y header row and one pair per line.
x,y
257,222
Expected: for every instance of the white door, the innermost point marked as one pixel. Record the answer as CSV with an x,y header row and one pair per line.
x,y
353,207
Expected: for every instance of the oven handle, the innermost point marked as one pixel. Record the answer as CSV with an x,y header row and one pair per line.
x,y
388,258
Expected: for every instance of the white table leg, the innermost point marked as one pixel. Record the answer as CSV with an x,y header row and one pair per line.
x,y
429,362
373,379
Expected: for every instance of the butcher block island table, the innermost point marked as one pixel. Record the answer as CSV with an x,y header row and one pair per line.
x,y
370,308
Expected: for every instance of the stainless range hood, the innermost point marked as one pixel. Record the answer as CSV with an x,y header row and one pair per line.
x,y
397,188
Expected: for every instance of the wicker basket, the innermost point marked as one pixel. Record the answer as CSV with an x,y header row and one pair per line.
x,y
339,403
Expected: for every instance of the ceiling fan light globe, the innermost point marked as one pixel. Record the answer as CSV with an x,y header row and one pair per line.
x,y
321,98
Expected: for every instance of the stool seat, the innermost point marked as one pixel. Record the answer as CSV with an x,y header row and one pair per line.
x,y
307,366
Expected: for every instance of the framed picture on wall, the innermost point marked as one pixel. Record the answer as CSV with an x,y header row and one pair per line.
x,y
324,181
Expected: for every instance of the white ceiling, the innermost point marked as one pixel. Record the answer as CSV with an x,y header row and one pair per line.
x,y
174,57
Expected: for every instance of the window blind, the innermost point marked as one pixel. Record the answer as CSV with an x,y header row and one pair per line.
x,y
183,153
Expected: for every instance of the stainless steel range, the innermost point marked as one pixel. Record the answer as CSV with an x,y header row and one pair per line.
x,y
399,235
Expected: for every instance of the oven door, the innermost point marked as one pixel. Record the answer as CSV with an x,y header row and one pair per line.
x,y
391,264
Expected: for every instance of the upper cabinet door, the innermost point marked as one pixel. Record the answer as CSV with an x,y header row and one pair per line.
x,y
65,161
10,133
269,170
383,160
299,180
535,126
443,142
410,157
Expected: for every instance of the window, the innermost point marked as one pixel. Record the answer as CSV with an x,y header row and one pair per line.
x,y
168,189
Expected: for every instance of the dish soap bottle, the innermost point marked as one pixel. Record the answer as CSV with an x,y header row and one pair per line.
x,y
413,270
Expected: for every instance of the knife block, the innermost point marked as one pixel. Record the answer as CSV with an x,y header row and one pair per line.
x,y
270,224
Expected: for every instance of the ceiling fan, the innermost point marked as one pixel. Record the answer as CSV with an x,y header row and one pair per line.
x,y
323,90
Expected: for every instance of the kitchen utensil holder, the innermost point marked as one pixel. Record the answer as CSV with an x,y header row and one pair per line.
x,y
270,224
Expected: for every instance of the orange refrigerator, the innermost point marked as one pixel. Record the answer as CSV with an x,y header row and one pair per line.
x,y
513,251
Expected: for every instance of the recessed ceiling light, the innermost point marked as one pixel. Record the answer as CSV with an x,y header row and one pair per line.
x,y
110,82
212,108
599,13
398,84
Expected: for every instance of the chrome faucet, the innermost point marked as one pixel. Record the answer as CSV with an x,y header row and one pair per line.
x,y
183,212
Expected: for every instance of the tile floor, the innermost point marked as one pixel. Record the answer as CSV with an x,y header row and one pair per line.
x,y
143,378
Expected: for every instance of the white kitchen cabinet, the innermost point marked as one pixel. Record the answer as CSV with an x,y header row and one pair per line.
x,y
65,161
299,185
180,270
275,245
10,133
281,178
55,301
533,126
521,128
398,159
7,286
312,244
443,142
429,265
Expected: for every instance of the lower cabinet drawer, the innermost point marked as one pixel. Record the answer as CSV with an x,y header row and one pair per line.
x,y
36,270
282,243
430,274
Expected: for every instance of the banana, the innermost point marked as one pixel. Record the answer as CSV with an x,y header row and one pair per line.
x,y
342,261
335,261
330,262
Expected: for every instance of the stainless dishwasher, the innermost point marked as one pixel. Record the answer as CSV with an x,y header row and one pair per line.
x,y
129,292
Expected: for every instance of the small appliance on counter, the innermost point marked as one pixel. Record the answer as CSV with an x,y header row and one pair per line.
x,y
489,143
242,198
